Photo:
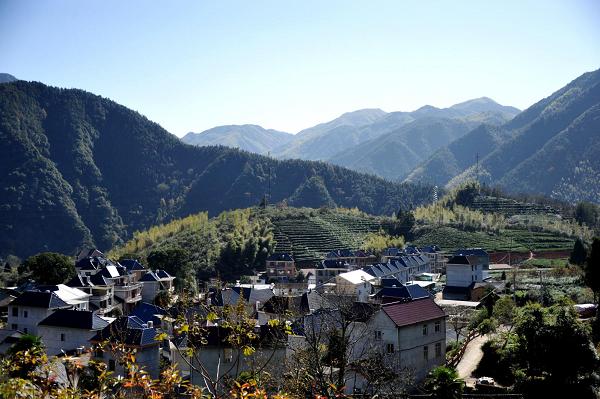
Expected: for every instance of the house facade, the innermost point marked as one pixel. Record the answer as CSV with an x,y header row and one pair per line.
x,y
31,307
67,330
280,267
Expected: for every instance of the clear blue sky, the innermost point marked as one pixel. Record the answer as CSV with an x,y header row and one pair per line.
x,y
291,64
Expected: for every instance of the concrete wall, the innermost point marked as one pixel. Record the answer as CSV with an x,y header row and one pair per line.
x,y
27,324
148,358
149,290
73,338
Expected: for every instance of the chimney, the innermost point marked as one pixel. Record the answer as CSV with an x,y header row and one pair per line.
x,y
150,324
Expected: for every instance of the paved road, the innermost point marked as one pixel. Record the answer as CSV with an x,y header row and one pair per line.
x,y
471,358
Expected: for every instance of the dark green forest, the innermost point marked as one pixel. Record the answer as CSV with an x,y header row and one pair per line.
x,y
79,170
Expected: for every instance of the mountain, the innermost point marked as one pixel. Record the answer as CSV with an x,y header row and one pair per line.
x,y
396,153
7,78
552,148
452,159
79,170
392,144
250,138
321,141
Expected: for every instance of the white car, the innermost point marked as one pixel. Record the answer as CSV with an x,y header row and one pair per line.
x,y
485,381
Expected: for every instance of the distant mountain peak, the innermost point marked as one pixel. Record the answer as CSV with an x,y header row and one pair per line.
x,y
7,78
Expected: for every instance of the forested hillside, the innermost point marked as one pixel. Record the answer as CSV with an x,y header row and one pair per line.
x,y
237,242
79,170
552,148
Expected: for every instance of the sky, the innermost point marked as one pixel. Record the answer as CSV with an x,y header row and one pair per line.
x,y
288,65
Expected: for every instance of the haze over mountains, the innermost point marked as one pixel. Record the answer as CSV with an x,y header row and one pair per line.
x,y
79,170
371,140
552,148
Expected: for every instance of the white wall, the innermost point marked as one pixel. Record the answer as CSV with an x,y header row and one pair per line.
x,y
74,338
29,323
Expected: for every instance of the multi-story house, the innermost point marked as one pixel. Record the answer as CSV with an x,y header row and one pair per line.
x,y
404,268
328,269
154,282
357,284
68,330
101,289
463,271
133,333
31,307
411,337
280,267
356,259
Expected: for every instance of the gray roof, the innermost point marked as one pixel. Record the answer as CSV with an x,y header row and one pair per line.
x,y
68,318
38,299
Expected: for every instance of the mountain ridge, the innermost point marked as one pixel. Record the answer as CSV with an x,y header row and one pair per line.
x,y
79,170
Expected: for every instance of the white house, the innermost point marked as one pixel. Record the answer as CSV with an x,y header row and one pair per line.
x,y
462,273
67,329
155,281
411,335
31,307
356,283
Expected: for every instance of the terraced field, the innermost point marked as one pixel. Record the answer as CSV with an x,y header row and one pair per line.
x,y
311,234
450,239
510,207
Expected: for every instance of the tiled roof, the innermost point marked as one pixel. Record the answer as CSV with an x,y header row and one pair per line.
x,y
150,276
132,264
333,264
68,318
459,260
281,257
147,312
163,274
471,251
38,299
129,330
413,312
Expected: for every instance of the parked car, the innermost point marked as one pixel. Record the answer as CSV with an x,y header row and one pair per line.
x,y
487,381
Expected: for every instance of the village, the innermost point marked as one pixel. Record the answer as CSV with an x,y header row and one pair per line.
x,y
397,312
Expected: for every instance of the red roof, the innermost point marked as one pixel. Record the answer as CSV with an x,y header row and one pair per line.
x,y
413,312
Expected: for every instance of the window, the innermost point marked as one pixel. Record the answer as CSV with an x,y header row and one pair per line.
x,y
25,330
62,337
14,326
424,329
25,313
377,334
111,365
438,326
426,352
15,311
438,349
390,348
98,352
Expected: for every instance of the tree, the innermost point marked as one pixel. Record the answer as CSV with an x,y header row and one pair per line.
x,y
579,253
592,268
443,383
504,311
48,268
466,195
587,213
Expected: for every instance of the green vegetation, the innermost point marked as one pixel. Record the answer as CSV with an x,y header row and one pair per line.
x,y
237,242
78,170
548,351
457,220
48,268
551,148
